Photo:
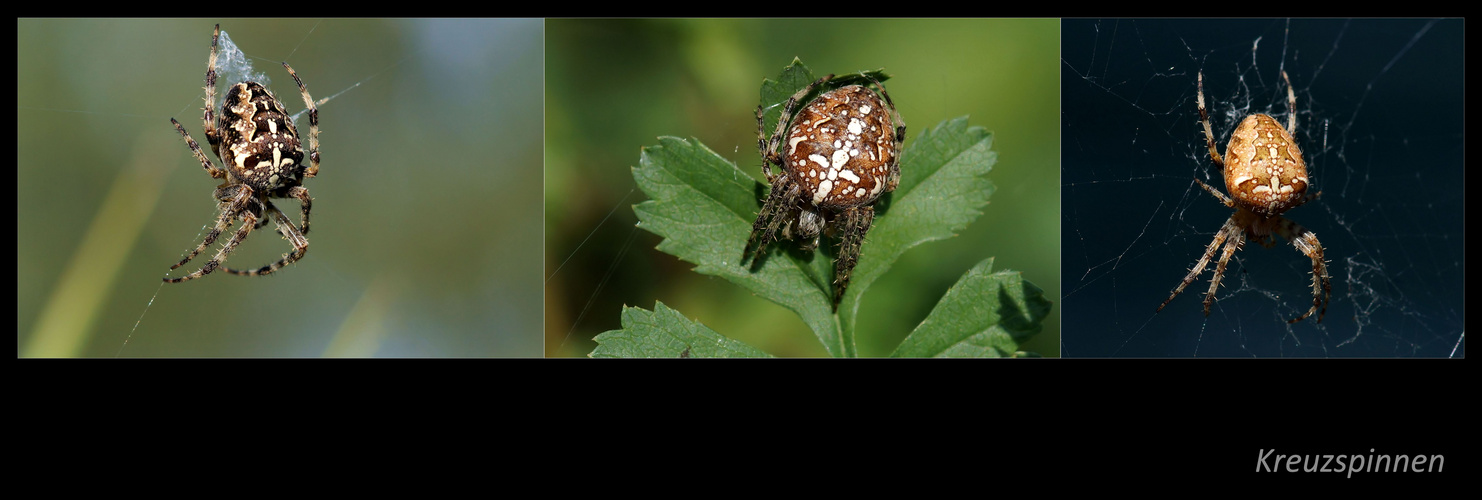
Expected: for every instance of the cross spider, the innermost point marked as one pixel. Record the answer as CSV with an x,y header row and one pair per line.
x,y
1266,176
264,159
842,153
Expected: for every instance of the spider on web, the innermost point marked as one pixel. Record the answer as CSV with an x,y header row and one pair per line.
x,y
263,159
1265,176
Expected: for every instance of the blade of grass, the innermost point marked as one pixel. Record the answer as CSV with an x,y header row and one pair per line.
x,y
67,320
361,332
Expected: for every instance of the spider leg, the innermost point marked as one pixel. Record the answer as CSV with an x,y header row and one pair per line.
x,y
1208,133
1235,241
899,122
1322,286
232,199
1217,194
302,194
224,222
294,236
1219,239
857,222
216,173
209,119
769,155
784,194
249,221
900,136
313,169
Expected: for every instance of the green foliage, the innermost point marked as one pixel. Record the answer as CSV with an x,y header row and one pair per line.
x,y
704,206
796,76
664,333
986,314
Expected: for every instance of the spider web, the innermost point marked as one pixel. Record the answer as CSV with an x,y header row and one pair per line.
x,y
1379,121
234,66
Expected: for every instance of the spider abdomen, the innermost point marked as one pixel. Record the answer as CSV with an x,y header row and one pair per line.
x,y
841,148
261,145
1264,171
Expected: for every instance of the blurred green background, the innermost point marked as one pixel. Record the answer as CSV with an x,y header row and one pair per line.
x,y
426,210
614,86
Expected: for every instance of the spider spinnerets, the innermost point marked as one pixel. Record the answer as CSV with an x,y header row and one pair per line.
x,y
262,157
838,155
1265,176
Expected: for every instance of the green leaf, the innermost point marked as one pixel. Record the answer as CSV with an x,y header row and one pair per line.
x,y
664,333
984,315
703,206
796,76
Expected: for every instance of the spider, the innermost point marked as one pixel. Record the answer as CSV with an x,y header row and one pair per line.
x,y
841,154
1266,176
263,159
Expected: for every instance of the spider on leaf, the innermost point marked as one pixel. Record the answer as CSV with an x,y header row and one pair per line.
x,y
837,154
1265,176
263,158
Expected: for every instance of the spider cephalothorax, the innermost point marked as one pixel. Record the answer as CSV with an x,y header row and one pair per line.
x,y
263,158
837,155
1265,176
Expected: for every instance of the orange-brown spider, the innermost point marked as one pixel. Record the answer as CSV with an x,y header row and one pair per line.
x,y
1265,176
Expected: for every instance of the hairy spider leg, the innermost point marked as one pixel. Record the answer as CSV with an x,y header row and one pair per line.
x,y
857,222
294,236
232,199
1217,194
249,221
769,154
900,130
1306,242
211,169
313,169
1219,240
1214,154
302,195
208,118
224,222
1235,239
771,217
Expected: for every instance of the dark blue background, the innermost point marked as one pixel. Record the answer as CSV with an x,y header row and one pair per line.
x,y
1383,139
